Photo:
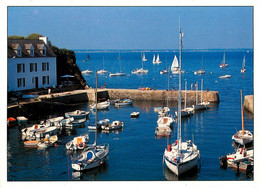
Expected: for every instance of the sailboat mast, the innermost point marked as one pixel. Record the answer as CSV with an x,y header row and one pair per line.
x,y
120,62
242,114
196,88
201,91
185,93
179,100
96,111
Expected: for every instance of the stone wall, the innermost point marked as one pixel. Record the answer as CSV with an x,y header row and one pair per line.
x,y
249,103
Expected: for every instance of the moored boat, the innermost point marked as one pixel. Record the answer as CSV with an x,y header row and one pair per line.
x,y
113,126
77,114
134,114
49,141
78,143
225,76
21,120
123,102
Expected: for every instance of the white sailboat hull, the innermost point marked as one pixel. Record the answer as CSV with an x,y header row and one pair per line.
x,y
248,137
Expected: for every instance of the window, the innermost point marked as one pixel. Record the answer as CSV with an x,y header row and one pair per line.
x,y
19,52
31,52
45,80
20,67
45,66
44,51
21,82
33,67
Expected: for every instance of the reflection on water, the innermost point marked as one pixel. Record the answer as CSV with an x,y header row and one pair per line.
x,y
193,174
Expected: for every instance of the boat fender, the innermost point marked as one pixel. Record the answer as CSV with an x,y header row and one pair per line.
x,y
81,145
169,147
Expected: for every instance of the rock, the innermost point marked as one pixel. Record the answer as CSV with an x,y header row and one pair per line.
x,y
249,103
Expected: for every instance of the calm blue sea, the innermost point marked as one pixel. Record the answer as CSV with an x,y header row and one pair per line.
x,y
135,153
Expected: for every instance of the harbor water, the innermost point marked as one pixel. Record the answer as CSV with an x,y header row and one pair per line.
x,y
135,153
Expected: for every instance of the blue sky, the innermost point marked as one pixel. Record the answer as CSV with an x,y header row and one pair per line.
x,y
136,27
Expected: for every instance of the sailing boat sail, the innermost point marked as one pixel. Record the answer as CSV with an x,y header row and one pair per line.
x,y
243,136
143,58
175,66
95,155
201,71
180,156
154,62
158,59
223,64
243,70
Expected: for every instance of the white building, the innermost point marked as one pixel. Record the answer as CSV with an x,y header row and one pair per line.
x,y
31,64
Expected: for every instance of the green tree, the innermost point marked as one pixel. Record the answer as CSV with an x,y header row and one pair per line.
x,y
15,37
34,36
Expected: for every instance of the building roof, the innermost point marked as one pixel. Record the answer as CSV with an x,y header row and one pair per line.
x,y
25,45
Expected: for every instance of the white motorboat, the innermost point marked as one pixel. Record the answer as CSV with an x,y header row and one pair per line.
x,y
100,106
37,131
123,102
165,71
180,156
49,141
77,114
102,71
87,71
134,114
95,155
223,64
103,122
165,122
57,122
113,126
160,109
21,120
163,131
225,76
78,143
202,105
241,154
243,136
243,70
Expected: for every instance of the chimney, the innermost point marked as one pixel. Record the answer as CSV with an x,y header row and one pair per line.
x,y
44,39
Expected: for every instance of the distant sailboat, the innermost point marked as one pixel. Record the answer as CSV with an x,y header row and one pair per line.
x,y
141,70
103,71
158,59
175,66
201,71
243,70
223,64
143,58
154,62
118,73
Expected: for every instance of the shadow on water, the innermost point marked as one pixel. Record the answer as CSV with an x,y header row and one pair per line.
x,y
191,175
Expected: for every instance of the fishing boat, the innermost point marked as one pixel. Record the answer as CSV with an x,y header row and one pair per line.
x,y
243,136
37,131
77,114
113,126
223,64
78,143
141,70
134,114
95,155
118,73
101,105
165,71
103,122
123,102
103,71
201,71
243,70
181,156
163,131
143,57
202,105
87,71
186,111
49,141
21,120
225,76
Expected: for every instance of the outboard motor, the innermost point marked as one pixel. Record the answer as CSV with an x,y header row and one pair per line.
x,y
223,162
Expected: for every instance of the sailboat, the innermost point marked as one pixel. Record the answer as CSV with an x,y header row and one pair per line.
x,y
201,105
243,70
154,62
103,71
223,64
95,155
118,73
158,59
181,156
141,70
243,136
175,66
143,58
201,71
186,111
